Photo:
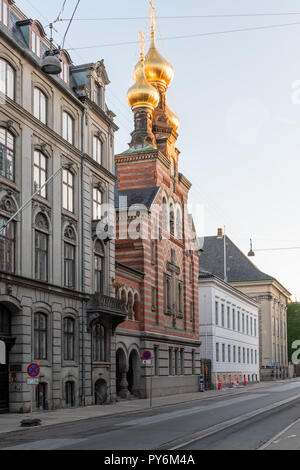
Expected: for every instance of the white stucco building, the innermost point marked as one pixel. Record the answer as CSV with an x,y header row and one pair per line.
x,y
229,332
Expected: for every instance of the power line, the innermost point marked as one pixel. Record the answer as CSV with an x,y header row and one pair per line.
x,y
242,15
70,22
189,36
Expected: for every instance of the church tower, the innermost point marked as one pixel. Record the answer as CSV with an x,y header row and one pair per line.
x,y
157,267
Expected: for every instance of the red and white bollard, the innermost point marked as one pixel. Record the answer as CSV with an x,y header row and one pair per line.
x,y
245,381
220,384
237,381
230,384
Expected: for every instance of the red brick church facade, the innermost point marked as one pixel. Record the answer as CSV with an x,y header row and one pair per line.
x,y
156,254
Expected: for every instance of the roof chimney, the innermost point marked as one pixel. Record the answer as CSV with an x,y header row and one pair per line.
x,y
220,232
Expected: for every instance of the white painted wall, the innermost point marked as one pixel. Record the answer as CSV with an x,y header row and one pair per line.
x,y
212,290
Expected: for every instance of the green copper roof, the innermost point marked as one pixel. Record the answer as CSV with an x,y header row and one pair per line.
x,y
142,149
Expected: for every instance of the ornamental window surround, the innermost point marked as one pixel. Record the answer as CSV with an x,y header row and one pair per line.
x,y
7,79
99,263
98,150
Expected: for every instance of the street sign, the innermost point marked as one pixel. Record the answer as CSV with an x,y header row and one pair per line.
x,y
33,370
147,363
146,355
33,381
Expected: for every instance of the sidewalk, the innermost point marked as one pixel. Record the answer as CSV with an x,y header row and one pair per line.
x,y
11,422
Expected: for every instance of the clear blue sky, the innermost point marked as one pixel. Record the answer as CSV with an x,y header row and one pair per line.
x,y
240,131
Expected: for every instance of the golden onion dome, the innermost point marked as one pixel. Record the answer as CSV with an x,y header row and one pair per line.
x,y
157,69
142,94
173,118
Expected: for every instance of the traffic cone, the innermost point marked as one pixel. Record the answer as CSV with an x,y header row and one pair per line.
x,y
220,384
245,381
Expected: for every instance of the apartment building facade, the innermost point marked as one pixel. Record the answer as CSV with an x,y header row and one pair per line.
x,y
57,302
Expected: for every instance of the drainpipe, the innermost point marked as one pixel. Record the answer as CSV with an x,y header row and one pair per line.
x,y
83,320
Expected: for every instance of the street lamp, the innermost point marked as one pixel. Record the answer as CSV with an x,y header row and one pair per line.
x,y
252,253
51,63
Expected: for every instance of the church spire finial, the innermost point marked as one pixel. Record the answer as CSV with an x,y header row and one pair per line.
x,y
152,19
142,52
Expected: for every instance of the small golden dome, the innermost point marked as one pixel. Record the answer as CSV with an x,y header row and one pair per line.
x,y
173,118
142,94
157,69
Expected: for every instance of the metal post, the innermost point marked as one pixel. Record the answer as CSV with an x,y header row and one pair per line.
x,y
151,383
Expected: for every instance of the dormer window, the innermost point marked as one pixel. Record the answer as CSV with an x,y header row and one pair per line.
x,y
37,33
4,12
65,66
98,94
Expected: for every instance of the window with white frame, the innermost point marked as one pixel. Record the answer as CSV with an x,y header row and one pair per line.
x,y
4,12
68,190
97,150
7,79
217,312
217,352
233,319
223,315
223,353
97,204
36,43
64,74
68,127
40,172
228,317
40,105
7,154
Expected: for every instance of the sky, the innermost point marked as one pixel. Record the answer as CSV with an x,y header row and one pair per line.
x,y
237,96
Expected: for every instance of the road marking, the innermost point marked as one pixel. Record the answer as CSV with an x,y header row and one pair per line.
x,y
45,444
275,438
190,411
179,443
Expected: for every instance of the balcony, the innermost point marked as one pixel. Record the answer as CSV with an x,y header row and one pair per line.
x,y
102,306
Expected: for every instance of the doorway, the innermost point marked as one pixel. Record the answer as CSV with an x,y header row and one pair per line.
x,y
100,392
5,338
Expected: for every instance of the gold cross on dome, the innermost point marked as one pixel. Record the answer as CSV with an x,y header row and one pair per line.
x,y
142,43
152,15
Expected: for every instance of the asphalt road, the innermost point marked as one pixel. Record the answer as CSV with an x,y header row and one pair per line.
x,y
243,421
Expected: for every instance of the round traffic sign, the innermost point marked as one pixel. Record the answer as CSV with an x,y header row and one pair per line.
x,y
33,370
146,355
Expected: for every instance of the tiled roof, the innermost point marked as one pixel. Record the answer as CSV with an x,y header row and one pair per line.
x,y
239,267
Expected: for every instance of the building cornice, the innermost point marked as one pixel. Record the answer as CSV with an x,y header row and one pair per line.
x,y
269,282
216,281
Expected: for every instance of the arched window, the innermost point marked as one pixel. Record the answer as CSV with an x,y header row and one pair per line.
x,y
40,172
97,204
37,32
97,150
165,222
7,154
7,79
41,247
68,190
40,105
7,246
69,257
172,220
130,306
68,127
40,336
4,12
178,224
99,340
99,267
69,339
